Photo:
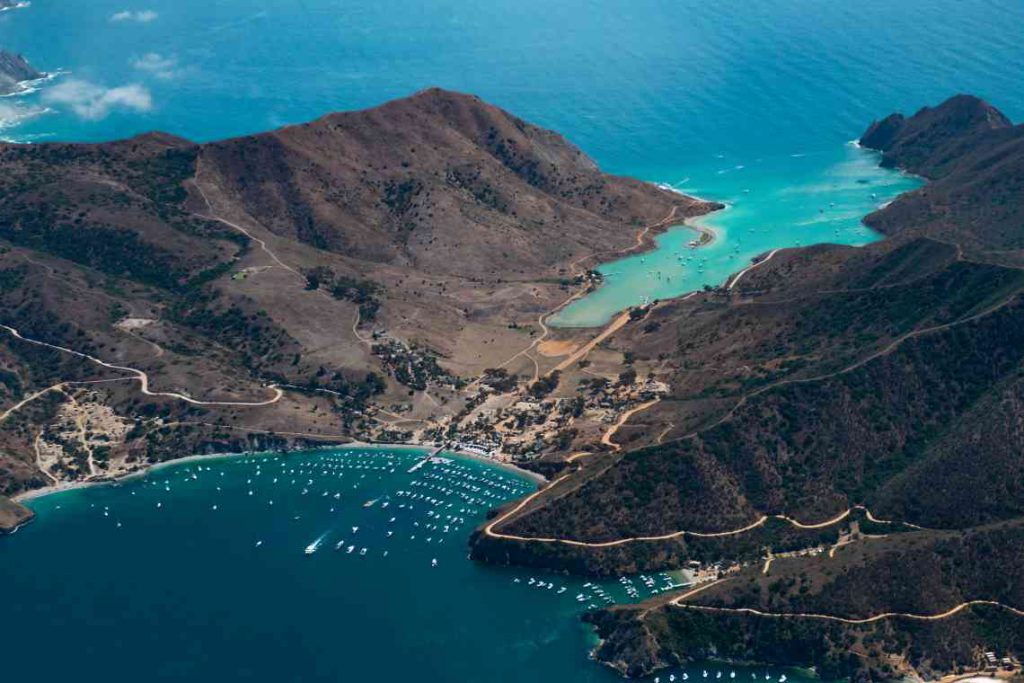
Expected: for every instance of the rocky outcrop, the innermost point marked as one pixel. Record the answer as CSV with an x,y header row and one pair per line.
x,y
974,157
13,515
14,70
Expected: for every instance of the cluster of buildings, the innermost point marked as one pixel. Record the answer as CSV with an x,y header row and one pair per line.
x,y
705,573
994,662
532,426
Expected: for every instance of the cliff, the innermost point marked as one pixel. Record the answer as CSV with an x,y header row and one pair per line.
x,y
15,69
12,515
975,158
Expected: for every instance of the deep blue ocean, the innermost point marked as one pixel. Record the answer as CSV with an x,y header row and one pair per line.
x,y
325,566
749,102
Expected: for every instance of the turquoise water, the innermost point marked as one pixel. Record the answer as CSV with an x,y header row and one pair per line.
x,y
199,571
827,195
718,98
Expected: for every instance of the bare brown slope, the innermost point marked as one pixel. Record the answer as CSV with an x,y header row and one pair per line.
x,y
447,222
441,182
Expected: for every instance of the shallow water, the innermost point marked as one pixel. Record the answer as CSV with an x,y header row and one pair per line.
x,y
199,571
826,196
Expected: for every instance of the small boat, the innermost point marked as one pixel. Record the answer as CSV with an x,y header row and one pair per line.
x,y
314,546
433,563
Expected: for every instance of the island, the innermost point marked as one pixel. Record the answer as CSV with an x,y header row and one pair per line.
x,y
828,443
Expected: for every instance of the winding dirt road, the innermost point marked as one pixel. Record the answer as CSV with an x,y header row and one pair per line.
x,y
761,521
489,529
606,438
575,269
749,268
141,376
846,620
212,216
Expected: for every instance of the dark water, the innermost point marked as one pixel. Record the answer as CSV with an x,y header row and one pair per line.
x,y
185,575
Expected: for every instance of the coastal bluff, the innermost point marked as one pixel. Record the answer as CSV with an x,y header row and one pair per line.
x,y
13,515
14,70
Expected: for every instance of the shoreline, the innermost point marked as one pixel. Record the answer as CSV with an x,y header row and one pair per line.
x,y
706,235
34,494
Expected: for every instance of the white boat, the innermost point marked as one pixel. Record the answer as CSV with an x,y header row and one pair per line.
x,y
314,546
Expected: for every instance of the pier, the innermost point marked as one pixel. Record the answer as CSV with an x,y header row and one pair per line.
x,y
432,454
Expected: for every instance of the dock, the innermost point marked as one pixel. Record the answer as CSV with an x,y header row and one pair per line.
x,y
432,454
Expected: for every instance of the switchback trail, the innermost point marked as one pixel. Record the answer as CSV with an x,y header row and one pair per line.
x,y
235,226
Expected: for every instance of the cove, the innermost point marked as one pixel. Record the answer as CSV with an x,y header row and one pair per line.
x,y
772,203
328,565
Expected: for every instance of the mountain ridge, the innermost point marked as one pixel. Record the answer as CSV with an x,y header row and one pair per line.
x,y
327,260
905,399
